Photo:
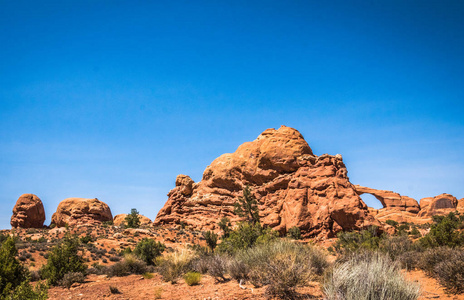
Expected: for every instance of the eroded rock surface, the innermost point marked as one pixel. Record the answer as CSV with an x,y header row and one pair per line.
x,y
28,212
391,200
438,205
81,211
294,187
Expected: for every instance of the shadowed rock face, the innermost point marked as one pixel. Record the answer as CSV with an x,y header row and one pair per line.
x,y
293,186
28,212
81,211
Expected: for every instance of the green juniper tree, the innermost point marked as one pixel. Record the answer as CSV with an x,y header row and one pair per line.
x,y
132,220
247,206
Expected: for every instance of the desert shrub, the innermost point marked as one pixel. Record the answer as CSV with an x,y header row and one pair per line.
x,y
433,256
368,275
86,239
352,241
148,249
282,265
443,232
132,220
129,265
12,273
415,232
217,267
394,246
114,290
409,260
172,266
237,269
70,278
192,278
246,235
115,258
450,272
211,239
225,225
201,264
62,259
26,291
391,223
147,275
294,233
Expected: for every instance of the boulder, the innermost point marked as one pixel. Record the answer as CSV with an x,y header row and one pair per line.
x,y
293,186
118,220
28,212
81,211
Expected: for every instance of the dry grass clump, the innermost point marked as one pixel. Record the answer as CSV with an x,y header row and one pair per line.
x,y
280,265
192,278
173,265
368,275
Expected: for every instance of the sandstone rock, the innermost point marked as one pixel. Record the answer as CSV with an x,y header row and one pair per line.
x,y
28,212
293,187
81,211
118,220
391,200
460,206
438,205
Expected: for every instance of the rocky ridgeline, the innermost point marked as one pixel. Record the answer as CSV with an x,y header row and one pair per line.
x,y
294,187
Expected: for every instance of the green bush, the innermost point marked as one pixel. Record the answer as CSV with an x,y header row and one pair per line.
x,y
246,235
247,206
443,232
147,250
352,241
129,265
225,226
368,275
391,223
294,233
132,220
282,266
62,259
211,239
192,278
70,278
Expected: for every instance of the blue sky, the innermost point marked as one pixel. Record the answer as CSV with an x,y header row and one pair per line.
x,y
113,99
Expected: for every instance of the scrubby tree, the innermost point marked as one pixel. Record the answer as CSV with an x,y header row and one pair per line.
x,y
225,225
132,220
12,273
294,233
62,259
211,239
247,206
148,249
444,232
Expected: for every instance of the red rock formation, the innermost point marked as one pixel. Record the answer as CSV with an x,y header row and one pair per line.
x,y
28,212
391,200
81,211
293,187
118,220
460,207
438,205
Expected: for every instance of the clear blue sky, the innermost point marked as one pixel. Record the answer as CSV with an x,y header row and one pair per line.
x,y
113,99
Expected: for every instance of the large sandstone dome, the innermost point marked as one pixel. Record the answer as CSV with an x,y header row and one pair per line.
x,y
81,211
294,187
28,212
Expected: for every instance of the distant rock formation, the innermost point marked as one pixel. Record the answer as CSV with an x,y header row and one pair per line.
x,y
118,220
391,200
294,187
28,212
81,211
438,205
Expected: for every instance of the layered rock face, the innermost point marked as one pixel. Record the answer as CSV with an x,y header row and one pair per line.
x,y
118,220
81,211
391,200
293,186
28,212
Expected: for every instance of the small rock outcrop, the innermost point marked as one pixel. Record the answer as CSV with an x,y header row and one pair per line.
x,y
293,186
81,211
438,205
118,220
28,212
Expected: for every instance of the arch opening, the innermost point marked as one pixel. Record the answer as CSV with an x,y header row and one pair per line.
x,y
371,201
